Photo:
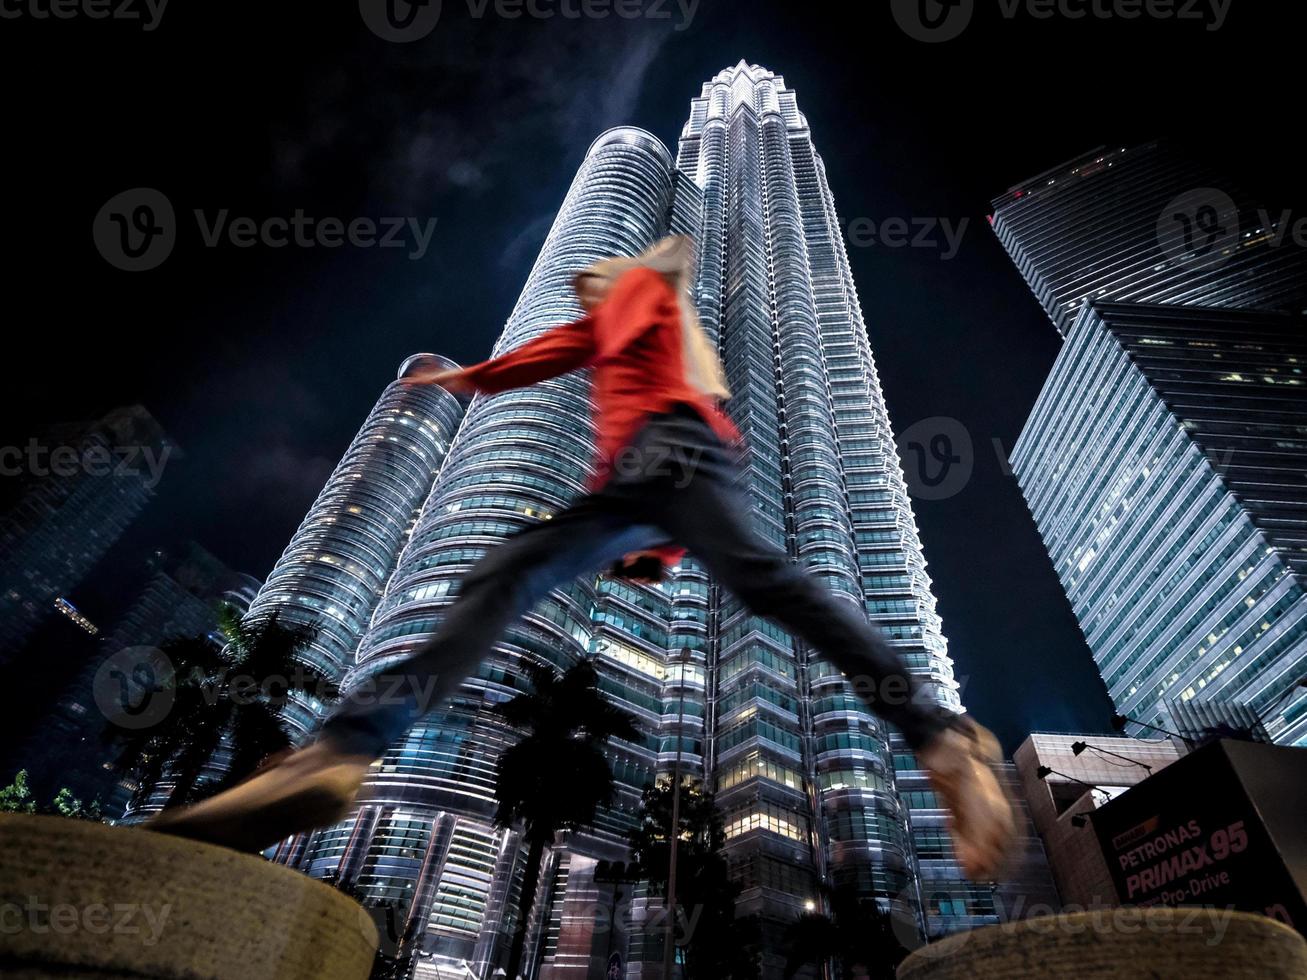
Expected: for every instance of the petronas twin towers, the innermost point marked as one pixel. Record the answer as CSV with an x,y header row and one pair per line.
x,y
815,791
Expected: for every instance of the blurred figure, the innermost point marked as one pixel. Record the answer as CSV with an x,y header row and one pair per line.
x,y
666,480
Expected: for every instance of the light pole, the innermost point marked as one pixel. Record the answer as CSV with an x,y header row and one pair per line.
x,y
669,944
1079,747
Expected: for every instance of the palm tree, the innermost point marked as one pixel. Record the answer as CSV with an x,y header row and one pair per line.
x,y
858,932
228,695
720,945
556,776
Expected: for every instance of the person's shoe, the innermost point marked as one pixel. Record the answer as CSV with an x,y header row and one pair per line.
x,y
961,761
311,788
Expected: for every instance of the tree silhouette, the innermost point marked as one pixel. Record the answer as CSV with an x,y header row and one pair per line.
x,y
715,945
227,695
858,932
556,776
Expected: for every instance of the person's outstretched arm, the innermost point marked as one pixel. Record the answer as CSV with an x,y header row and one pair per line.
x,y
553,353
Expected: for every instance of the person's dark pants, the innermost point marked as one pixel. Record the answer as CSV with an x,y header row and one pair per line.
x,y
676,483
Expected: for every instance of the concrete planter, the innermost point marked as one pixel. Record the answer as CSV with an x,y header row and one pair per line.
x,y
82,900
1119,944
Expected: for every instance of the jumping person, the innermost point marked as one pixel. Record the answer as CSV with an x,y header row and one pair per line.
x,y
666,480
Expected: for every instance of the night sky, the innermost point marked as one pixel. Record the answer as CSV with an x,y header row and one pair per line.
x,y
262,362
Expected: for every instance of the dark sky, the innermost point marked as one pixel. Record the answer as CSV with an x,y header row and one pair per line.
x,y
262,362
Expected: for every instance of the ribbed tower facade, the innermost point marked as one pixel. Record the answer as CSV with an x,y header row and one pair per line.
x,y
814,789
1163,460
85,485
1164,464
1147,224
812,783
331,575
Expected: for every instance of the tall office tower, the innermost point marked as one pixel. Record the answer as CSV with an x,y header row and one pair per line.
x,y
1148,224
84,486
813,787
423,836
180,598
331,575
198,615
1164,464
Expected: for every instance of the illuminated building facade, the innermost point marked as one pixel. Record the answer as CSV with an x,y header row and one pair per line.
x,y
1065,778
331,575
1147,224
815,790
83,486
1163,464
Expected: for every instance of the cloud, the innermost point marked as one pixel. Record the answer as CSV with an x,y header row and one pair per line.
x,y
281,479
526,243
507,90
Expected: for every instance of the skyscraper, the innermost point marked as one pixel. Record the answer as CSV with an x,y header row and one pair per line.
x,y
1190,413
84,484
332,572
1147,224
814,789
1164,464
181,598
331,575
423,836
813,785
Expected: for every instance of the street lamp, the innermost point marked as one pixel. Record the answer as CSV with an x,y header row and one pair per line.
x,y
1078,747
669,944
1043,772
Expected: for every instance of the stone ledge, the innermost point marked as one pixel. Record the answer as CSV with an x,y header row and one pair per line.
x,y
1119,944
81,899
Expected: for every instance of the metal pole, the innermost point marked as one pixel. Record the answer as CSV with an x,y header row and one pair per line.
x,y
669,944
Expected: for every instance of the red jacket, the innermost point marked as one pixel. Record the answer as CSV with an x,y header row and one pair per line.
x,y
633,341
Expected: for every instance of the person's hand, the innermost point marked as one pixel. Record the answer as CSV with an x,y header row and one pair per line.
x,y
453,380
